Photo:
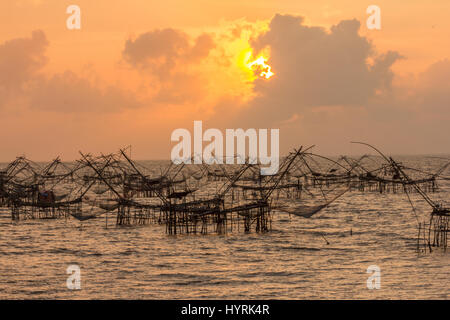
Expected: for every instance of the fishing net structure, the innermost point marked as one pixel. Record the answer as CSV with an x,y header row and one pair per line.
x,y
218,197
432,230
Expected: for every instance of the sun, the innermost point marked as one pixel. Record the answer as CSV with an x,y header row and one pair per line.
x,y
261,68
257,67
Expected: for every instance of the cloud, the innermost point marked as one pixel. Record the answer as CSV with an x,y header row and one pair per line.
x,y
433,89
21,79
172,62
318,67
70,93
332,86
200,50
162,51
20,60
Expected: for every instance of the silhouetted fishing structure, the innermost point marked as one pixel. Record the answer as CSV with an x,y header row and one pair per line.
x,y
433,234
218,198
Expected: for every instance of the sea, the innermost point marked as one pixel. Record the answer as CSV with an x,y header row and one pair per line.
x,y
335,254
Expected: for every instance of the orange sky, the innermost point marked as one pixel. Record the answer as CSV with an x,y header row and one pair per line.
x,y
140,102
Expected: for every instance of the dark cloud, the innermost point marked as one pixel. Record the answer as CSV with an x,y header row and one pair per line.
x,y
433,89
315,67
166,45
162,50
332,86
68,93
203,45
182,89
20,60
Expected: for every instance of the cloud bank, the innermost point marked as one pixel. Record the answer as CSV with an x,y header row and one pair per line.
x,y
331,86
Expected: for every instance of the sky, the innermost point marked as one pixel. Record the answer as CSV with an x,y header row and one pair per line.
x,y
139,69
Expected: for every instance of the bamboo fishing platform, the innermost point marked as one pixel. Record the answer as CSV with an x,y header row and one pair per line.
x,y
202,199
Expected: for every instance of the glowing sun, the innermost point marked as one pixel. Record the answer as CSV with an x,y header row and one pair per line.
x,y
258,66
